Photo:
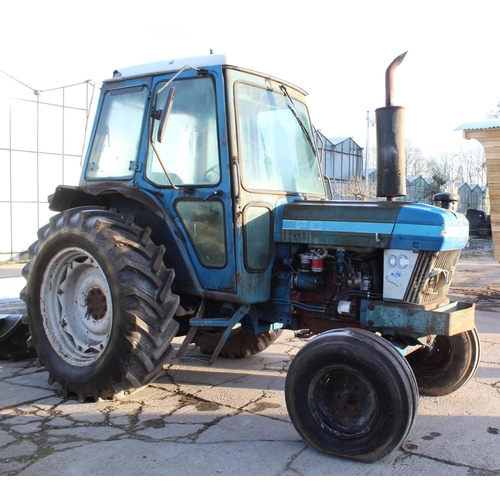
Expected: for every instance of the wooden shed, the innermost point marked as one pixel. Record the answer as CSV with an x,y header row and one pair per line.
x,y
487,133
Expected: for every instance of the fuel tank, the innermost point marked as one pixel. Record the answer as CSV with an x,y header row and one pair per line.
x,y
381,224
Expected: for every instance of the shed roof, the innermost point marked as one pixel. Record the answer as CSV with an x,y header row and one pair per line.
x,y
413,178
483,125
338,140
335,141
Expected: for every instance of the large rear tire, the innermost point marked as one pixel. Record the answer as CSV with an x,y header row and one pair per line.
x,y
99,304
350,393
448,364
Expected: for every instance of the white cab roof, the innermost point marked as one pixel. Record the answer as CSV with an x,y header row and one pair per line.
x,y
171,65
174,65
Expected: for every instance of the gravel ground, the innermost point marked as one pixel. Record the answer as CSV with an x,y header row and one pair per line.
x,y
478,244
477,278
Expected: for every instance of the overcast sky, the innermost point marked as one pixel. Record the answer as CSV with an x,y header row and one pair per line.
x,y
338,51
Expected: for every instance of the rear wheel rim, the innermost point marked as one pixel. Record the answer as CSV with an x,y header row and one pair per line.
x,y
76,305
436,357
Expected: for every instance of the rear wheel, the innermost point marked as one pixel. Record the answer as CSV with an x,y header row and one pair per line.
x,y
350,393
448,364
240,345
99,303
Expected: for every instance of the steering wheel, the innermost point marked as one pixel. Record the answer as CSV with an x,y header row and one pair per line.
x,y
212,175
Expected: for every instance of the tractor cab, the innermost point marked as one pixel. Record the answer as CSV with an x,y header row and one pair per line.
x,y
216,148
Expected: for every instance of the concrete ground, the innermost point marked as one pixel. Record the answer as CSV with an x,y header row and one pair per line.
x,y
231,419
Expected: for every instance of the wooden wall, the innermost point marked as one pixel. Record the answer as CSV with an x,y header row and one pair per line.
x,y
490,139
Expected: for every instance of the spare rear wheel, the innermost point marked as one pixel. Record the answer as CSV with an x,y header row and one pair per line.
x,y
99,304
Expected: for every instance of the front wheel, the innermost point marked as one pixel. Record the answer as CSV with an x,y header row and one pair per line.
x,y
350,393
99,303
448,364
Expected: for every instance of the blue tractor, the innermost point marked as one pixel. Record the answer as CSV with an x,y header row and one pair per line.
x,y
201,213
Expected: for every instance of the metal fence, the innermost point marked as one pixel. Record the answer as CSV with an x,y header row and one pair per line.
x,y
42,135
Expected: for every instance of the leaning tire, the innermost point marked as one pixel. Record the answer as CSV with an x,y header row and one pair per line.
x,y
350,393
13,339
448,364
99,304
241,345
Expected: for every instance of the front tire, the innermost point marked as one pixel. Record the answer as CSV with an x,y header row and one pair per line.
x,y
99,304
350,393
448,364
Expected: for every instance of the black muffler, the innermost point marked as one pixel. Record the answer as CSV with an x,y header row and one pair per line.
x,y
391,168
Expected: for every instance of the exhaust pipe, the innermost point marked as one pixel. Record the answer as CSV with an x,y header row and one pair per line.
x,y
391,168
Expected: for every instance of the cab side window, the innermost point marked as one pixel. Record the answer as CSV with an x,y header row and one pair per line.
x,y
117,139
189,150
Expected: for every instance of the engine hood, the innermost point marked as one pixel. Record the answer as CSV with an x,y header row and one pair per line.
x,y
411,226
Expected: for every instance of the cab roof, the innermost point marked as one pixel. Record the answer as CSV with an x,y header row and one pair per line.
x,y
174,65
170,65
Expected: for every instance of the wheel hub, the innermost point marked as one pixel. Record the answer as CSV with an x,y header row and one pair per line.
x,y
343,402
97,305
349,399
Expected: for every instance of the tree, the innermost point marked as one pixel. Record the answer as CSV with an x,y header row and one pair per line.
x,y
414,158
442,168
494,113
472,163
355,188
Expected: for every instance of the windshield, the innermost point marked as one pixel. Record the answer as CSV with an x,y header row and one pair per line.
x,y
275,152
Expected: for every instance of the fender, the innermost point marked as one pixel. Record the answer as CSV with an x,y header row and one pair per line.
x,y
148,211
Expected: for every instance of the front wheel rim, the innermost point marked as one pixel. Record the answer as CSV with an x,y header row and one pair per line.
x,y
76,306
343,402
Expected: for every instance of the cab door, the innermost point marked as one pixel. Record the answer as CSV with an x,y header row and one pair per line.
x,y
189,164
255,197
274,162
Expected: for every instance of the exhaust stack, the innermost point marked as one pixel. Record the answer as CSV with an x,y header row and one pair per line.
x,y
391,168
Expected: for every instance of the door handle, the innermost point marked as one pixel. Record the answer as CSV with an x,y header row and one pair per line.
x,y
219,192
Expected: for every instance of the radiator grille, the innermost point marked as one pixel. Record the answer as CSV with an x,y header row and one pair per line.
x,y
431,277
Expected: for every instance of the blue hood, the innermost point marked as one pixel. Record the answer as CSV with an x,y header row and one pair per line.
x,y
371,225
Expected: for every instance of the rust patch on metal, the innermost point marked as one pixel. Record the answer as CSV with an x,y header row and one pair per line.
x,y
97,305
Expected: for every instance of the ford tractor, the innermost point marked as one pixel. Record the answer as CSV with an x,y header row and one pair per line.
x,y
201,216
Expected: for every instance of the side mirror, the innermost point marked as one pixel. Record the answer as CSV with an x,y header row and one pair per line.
x,y
165,114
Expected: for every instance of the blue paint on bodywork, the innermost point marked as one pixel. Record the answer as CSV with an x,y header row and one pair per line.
x,y
425,227
338,226
415,226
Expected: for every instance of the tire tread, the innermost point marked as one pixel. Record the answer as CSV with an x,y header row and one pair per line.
x,y
148,305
